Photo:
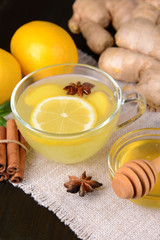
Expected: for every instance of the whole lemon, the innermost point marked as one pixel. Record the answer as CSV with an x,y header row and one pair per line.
x,y
10,75
39,44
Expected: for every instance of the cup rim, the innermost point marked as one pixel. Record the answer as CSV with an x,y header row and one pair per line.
x,y
101,125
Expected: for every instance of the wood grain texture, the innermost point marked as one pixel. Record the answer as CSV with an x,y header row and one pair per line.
x,y
22,218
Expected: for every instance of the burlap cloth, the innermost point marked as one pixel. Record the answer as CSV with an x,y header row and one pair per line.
x,y
100,215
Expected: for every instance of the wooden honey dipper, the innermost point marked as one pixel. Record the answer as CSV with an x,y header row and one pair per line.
x,y
136,178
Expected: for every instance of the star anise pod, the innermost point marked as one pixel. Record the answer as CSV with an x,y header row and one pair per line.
x,y
82,185
78,88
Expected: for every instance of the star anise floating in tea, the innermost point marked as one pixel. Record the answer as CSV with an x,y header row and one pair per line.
x,y
78,88
82,185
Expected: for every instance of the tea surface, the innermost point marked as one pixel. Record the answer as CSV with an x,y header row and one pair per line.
x,y
101,97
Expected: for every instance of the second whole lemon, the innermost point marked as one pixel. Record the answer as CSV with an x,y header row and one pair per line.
x,y
10,75
38,44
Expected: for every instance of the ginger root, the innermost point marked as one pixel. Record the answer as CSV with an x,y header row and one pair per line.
x,y
135,60
143,35
146,11
136,57
149,87
130,66
94,11
120,11
103,38
91,18
128,17
155,3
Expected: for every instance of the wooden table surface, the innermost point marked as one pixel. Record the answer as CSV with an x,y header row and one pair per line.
x,y
21,218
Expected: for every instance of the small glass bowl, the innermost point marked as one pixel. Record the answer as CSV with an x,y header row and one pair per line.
x,y
137,144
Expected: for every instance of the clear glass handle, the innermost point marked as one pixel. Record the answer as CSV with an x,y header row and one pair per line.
x,y
133,105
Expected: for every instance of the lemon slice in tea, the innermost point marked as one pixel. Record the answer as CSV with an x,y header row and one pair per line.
x,y
63,114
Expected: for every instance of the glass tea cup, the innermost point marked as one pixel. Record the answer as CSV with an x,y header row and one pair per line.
x,y
73,147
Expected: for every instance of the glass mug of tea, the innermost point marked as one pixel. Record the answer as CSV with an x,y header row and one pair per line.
x,y
67,112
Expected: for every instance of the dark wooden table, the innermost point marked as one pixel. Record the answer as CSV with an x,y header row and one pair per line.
x,y
21,218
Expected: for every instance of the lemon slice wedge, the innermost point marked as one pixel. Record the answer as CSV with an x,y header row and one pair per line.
x,y
40,93
101,103
63,114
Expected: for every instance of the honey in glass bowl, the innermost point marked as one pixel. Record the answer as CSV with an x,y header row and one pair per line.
x,y
138,144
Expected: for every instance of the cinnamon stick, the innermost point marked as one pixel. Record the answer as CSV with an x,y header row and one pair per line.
x,y
4,176
2,149
18,175
12,148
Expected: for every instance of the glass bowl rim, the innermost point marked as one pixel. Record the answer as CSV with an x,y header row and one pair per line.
x,y
28,126
110,168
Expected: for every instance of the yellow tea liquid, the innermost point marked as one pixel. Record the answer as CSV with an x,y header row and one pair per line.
x,y
70,149
143,149
25,110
